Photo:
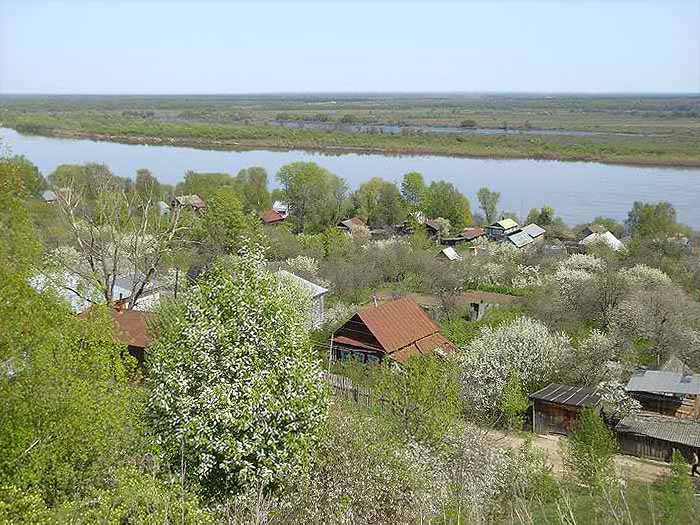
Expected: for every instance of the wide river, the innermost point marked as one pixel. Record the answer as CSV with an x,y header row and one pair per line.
x,y
578,191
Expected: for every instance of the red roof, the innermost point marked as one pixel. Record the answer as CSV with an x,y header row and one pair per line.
x,y
131,326
402,329
355,221
271,217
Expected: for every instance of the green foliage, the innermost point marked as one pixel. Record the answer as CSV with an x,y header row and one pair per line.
x,y
147,186
413,190
137,497
69,413
420,398
613,226
221,228
652,219
203,184
315,196
251,184
542,217
87,179
589,452
488,203
462,332
27,179
380,202
442,199
235,394
514,402
678,500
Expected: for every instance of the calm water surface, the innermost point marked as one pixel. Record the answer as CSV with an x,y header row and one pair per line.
x,y
577,191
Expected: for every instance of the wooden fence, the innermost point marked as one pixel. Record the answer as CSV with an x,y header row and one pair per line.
x,y
344,387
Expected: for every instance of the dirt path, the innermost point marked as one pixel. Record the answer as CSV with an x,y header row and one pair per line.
x,y
628,467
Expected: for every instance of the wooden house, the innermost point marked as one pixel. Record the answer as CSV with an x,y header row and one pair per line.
x,y
395,330
666,392
500,229
190,202
655,436
556,407
468,235
347,225
534,231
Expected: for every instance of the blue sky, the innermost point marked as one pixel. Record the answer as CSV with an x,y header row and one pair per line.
x,y
237,47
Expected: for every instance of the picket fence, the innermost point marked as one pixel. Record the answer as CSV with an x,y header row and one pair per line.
x,y
344,387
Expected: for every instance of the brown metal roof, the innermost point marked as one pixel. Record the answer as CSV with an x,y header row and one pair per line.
x,y
271,217
399,323
577,396
132,327
472,233
355,221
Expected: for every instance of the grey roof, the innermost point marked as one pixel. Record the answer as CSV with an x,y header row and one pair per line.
x,y
577,396
48,195
533,230
451,254
664,382
314,289
520,239
666,428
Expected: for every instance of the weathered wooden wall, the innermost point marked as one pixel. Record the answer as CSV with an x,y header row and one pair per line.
x,y
550,418
651,448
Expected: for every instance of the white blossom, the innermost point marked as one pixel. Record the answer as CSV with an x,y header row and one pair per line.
x,y
524,347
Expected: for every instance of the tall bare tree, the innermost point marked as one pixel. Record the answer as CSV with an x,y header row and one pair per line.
x,y
118,233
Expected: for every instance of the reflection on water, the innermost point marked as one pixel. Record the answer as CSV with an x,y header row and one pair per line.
x,y
578,191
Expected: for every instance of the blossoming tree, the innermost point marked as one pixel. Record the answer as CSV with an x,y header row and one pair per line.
x,y
236,399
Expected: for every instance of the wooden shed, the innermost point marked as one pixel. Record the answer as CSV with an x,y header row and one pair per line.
x,y
654,436
556,407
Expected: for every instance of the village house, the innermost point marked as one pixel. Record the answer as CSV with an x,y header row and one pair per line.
x,y
500,229
534,231
281,207
49,196
347,225
396,330
432,228
595,234
472,234
269,217
191,202
317,294
666,392
556,407
519,239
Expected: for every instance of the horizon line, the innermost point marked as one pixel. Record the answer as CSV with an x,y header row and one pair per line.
x,y
333,92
